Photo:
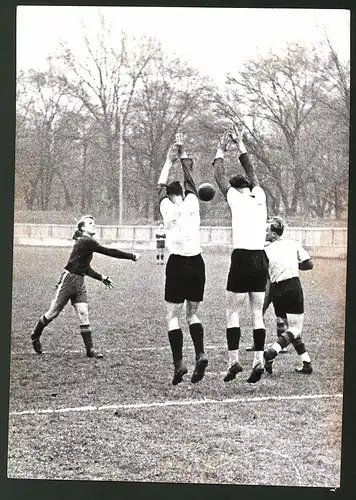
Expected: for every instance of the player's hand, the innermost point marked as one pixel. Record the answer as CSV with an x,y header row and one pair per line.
x,y
235,134
179,139
137,256
108,283
172,154
224,141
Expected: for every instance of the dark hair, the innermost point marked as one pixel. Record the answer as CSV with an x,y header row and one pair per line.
x,y
240,181
174,188
79,232
277,225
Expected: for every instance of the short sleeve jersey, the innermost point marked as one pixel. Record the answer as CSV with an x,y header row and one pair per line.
x,y
182,223
284,257
249,216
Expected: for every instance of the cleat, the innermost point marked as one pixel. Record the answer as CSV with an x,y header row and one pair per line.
x,y
251,348
283,350
199,370
179,371
233,371
306,369
256,374
91,353
268,367
36,344
269,354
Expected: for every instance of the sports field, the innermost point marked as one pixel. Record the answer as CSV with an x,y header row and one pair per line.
x,y
120,418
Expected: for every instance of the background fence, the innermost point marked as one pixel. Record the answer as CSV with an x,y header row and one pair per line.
x,y
323,242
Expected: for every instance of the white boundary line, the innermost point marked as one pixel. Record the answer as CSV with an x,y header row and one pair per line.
x,y
175,403
147,349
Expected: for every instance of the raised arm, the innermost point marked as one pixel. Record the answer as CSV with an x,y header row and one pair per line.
x,y
163,178
218,163
237,138
187,166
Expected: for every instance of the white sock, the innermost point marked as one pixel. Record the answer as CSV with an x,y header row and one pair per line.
x,y
277,347
305,357
258,359
233,356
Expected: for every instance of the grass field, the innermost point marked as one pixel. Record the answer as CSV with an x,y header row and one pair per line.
x,y
120,419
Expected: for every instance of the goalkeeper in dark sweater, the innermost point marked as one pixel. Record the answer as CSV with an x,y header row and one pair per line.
x,y
71,284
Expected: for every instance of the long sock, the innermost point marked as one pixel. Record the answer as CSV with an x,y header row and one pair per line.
x,y
197,334
85,332
176,341
233,342
42,323
259,337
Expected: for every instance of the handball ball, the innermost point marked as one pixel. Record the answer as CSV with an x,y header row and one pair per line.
x,y
206,191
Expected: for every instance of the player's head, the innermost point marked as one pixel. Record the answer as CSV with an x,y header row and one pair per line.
x,y
85,225
175,192
240,182
275,228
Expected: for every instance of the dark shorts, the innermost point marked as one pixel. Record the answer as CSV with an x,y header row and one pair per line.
x,y
248,271
70,287
287,297
185,279
161,244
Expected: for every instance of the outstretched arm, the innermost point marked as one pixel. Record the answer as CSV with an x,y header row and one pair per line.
x,y
218,163
114,252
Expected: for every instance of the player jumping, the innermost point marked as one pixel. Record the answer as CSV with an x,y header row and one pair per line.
x,y
71,284
185,269
249,266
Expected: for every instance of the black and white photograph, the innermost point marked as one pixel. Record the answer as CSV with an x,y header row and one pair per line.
x,y
180,237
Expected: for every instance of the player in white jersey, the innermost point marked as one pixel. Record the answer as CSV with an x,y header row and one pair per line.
x,y
285,258
185,269
249,267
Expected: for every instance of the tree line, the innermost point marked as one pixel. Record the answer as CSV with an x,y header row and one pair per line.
x,y
82,118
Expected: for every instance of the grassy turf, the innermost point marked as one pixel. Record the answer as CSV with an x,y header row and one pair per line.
x,y
282,442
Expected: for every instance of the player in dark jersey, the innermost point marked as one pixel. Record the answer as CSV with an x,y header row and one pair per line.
x,y
161,244
71,285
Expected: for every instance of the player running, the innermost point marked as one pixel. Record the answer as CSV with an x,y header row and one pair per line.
x,y
249,267
185,269
285,258
71,284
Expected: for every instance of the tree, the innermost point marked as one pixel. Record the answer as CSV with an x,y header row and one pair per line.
x,y
169,93
276,97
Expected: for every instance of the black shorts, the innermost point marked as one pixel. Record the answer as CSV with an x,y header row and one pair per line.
x,y
185,279
161,244
70,287
248,271
287,297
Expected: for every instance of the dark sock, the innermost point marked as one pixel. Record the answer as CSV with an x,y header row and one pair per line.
x,y
285,339
176,341
299,345
43,322
197,334
281,328
233,338
157,257
85,332
259,337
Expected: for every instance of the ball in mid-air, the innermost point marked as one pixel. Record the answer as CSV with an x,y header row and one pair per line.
x,y
206,191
